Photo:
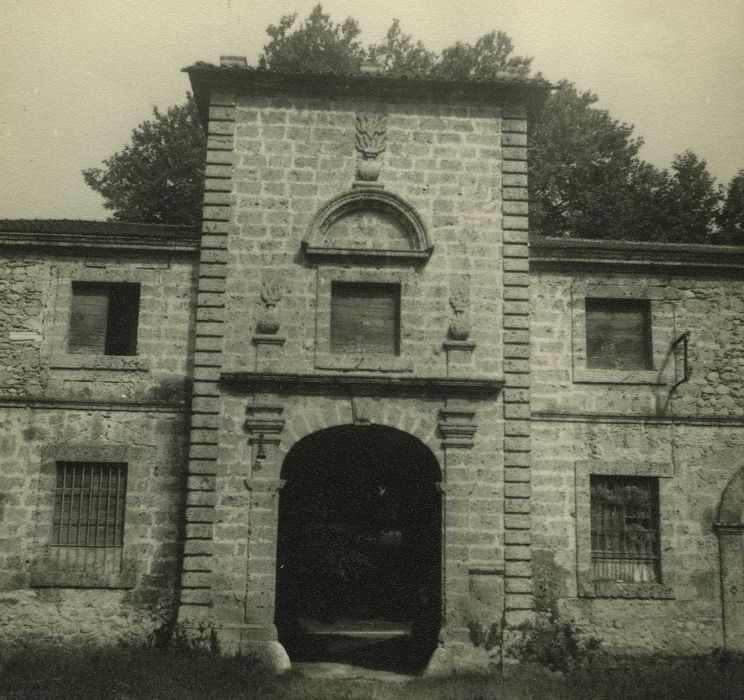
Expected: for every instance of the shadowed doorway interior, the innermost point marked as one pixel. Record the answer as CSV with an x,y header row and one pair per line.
x,y
359,549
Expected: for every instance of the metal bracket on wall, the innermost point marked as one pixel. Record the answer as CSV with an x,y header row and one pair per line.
x,y
684,340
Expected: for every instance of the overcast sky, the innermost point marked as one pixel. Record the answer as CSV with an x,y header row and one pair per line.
x,y
78,75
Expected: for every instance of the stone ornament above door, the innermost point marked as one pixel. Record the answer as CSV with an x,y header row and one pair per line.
x,y
365,225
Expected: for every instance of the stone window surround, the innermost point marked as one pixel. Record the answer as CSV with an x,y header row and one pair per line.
x,y
586,585
662,332
47,574
324,358
56,347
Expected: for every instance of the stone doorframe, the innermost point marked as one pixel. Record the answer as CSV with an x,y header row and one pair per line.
x,y
730,530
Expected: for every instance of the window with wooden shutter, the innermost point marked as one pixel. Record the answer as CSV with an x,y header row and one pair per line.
x,y
104,318
365,318
618,334
625,528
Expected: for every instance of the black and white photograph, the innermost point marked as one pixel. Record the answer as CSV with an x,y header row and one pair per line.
x,y
372,351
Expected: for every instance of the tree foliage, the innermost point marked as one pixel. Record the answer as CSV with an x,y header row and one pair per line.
x,y
317,45
586,176
731,219
159,176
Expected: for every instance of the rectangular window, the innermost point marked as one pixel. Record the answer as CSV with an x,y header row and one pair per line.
x,y
104,318
625,529
618,334
89,505
365,318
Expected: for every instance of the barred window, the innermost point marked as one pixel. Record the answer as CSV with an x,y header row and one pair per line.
x,y
618,334
625,529
89,512
365,318
104,318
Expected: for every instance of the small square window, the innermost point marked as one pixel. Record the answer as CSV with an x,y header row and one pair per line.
x,y
618,334
365,318
625,529
104,318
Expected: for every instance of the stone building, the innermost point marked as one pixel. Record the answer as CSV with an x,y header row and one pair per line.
x,y
364,400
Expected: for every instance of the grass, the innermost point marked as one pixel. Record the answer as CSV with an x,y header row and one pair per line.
x,y
149,673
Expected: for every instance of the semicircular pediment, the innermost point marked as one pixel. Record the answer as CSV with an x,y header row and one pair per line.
x,y
367,224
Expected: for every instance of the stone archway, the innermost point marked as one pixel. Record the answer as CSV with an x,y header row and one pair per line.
x,y
730,529
359,548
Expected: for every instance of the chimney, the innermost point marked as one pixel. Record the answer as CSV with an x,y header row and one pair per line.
x,y
233,62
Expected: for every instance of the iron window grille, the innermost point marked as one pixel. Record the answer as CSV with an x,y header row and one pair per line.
x,y
104,318
89,514
625,529
618,334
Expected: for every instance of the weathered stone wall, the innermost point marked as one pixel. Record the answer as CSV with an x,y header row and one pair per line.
x,y
693,443
293,156
272,165
711,309
83,407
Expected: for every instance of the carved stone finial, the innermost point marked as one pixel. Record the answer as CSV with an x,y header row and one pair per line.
x,y
272,292
371,141
459,328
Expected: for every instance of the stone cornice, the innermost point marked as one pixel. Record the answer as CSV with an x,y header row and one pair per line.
x,y
75,236
371,385
205,78
587,254
24,402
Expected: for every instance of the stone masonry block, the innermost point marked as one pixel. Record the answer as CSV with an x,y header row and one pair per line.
x,y
201,498
517,537
514,166
514,209
517,459
517,505
196,579
516,475
517,411
514,152
222,113
517,490
516,428
518,585
513,139
218,213
517,521
199,562
520,223
198,531
196,596
221,157
514,125
518,601
517,569
517,337
516,237
219,143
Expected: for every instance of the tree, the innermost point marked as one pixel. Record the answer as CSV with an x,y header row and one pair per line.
x,y
317,46
586,176
399,55
690,201
731,219
489,59
159,177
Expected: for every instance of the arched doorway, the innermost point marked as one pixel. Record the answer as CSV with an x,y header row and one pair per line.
x,y
359,549
730,529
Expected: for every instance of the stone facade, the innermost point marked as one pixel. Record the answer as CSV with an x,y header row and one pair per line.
x,y
73,407
422,187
